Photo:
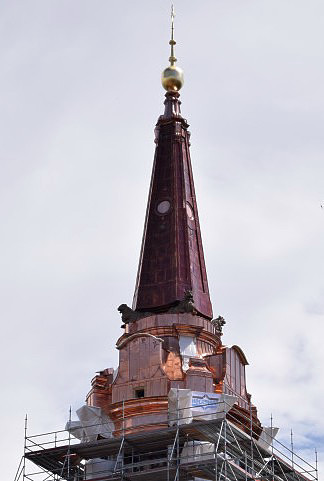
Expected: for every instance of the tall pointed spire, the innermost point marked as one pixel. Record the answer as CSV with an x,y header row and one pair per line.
x,y
172,260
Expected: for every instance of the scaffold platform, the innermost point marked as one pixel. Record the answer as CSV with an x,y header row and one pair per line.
x,y
215,450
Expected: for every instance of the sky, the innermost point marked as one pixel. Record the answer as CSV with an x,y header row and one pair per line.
x,y
80,96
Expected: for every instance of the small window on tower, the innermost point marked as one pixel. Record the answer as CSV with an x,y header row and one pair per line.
x,y
139,392
163,207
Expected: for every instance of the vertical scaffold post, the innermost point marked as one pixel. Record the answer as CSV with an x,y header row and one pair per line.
x,y
292,448
178,446
123,418
55,445
25,447
168,464
272,458
69,446
219,474
251,440
215,455
246,467
225,448
120,454
175,444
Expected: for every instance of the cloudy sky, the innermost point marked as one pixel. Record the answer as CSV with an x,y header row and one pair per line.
x,y
80,95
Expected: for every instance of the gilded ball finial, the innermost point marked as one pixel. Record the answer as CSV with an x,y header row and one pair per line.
x,y
172,76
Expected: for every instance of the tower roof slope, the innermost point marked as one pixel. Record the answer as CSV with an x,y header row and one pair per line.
x,y
172,259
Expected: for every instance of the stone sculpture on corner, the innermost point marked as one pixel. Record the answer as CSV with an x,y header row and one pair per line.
x,y
219,322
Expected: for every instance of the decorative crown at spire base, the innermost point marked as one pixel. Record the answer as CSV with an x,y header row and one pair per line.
x,y
172,105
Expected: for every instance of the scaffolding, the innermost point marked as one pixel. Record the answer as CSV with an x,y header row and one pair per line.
x,y
220,448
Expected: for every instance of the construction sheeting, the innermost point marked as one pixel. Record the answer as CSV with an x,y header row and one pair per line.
x,y
93,422
186,405
194,451
179,406
188,349
97,468
266,437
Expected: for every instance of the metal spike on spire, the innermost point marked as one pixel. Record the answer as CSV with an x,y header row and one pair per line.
x,y
172,42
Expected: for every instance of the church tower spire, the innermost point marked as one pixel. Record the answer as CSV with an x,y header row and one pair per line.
x,y
177,406
172,263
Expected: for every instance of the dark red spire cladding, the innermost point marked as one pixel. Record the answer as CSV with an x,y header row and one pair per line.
x,y
172,258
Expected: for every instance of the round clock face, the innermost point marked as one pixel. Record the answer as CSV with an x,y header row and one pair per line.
x,y
163,207
189,210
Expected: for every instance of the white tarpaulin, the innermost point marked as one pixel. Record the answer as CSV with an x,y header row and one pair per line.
x,y
75,428
98,468
93,422
180,406
188,349
186,405
266,437
197,451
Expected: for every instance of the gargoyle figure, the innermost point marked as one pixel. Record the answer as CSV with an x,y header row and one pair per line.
x,y
186,305
219,322
188,302
129,315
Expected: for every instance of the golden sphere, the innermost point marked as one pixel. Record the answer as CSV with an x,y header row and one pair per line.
x,y
172,78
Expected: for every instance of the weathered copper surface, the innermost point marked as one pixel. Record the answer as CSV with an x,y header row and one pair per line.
x,y
172,259
172,311
228,368
150,360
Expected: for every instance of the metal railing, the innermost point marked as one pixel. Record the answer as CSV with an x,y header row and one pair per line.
x,y
232,448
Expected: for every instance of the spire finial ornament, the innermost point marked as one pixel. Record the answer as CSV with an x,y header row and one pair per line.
x,y
172,42
172,76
